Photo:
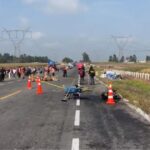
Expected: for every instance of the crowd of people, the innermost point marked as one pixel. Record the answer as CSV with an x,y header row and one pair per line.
x,y
47,72
22,72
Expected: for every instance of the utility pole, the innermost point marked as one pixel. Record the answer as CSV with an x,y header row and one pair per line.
x,y
121,42
17,37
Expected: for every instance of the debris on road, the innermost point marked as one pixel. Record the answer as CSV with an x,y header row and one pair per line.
x,y
111,75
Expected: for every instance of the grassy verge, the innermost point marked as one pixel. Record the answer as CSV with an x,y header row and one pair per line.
x,y
136,91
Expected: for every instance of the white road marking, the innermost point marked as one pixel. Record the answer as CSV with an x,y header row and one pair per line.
x,y
78,102
77,118
1,84
10,82
75,144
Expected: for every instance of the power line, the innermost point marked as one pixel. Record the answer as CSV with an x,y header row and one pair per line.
x,y
121,42
17,37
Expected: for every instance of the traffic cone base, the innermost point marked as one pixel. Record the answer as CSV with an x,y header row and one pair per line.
x,y
110,100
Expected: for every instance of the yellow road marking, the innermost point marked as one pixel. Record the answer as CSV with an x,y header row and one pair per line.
x,y
12,94
58,86
62,87
84,89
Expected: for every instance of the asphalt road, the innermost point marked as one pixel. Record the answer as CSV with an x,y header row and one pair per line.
x,y
44,122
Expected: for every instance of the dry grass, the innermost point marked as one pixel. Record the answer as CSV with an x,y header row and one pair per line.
x,y
10,65
136,67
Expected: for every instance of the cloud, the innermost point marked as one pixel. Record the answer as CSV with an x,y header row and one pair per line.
x,y
58,6
37,35
52,45
71,6
24,22
30,1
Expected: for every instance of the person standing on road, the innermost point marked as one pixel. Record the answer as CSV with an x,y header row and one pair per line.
x,y
81,73
92,75
19,72
65,72
3,72
14,71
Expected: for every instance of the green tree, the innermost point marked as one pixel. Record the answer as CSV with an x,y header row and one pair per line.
x,y
122,59
86,57
115,59
134,58
7,58
110,59
147,58
67,60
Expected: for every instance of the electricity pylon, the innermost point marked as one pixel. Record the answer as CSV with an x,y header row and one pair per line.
x,y
121,42
17,37
1,35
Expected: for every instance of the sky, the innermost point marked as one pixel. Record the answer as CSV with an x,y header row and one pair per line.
x,y
67,28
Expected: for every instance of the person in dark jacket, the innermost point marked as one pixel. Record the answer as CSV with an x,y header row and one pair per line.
x,y
65,72
92,75
2,74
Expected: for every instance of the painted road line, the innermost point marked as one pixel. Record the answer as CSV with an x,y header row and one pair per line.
x,y
75,144
78,102
10,82
62,87
9,95
77,118
6,83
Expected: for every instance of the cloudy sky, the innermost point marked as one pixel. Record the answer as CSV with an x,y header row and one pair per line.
x,y
63,28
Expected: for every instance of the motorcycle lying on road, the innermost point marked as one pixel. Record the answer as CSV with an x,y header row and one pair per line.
x,y
72,92
117,97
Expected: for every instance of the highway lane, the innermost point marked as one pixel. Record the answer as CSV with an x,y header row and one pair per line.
x,y
11,87
28,121
116,127
31,121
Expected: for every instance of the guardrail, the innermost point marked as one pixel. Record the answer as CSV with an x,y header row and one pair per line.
x,y
137,75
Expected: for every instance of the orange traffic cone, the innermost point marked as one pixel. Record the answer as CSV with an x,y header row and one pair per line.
x,y
29,86
39,88
110,99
